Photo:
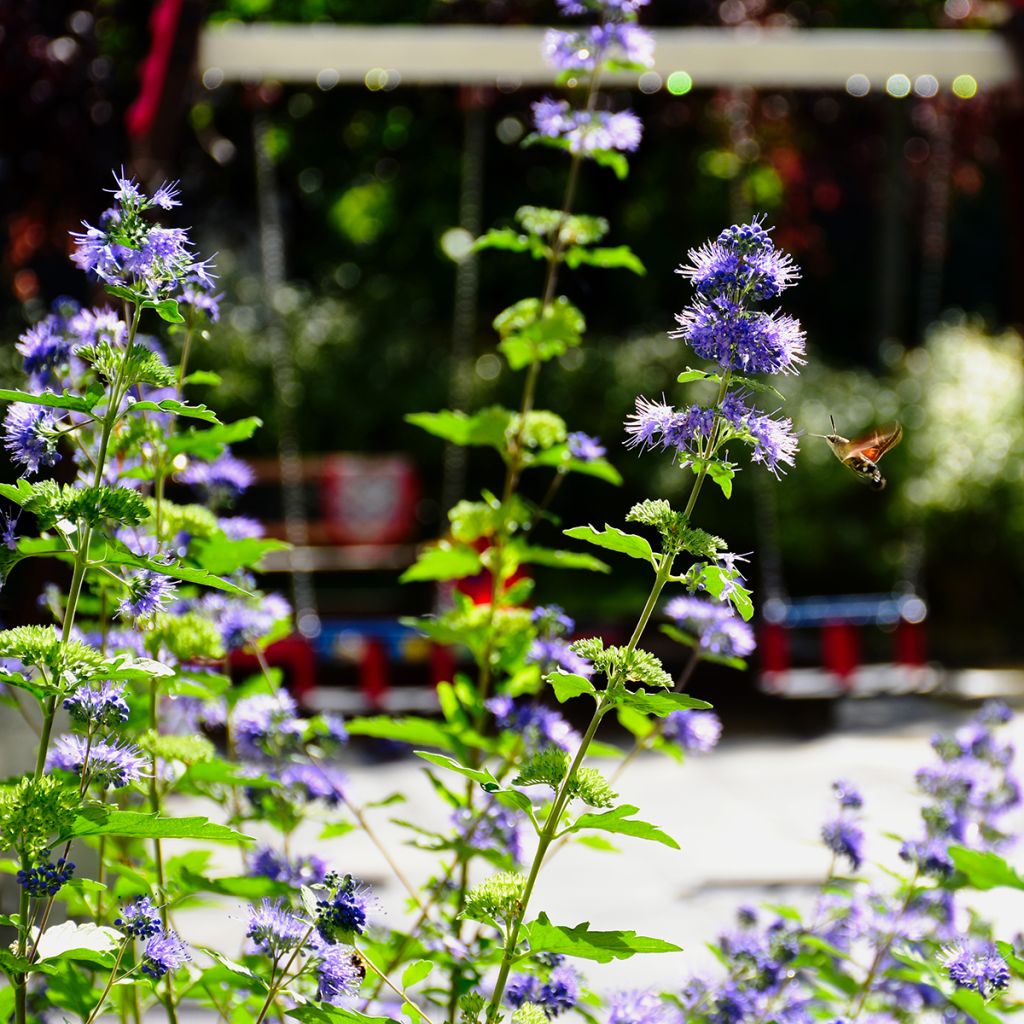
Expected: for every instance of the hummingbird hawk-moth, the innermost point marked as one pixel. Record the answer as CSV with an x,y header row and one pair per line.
x,y
861,455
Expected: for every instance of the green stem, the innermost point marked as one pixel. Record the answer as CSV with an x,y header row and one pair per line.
x,y
563,795
276,986
110,983
881,951
400,992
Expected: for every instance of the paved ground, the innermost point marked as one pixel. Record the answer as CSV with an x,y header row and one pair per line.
x,y
747,818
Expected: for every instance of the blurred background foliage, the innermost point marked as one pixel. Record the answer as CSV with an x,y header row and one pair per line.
x,y
896,209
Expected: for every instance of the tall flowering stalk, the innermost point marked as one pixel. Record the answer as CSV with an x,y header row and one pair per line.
x,y
160,594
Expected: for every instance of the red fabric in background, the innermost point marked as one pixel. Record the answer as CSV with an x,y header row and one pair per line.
x,y
163,26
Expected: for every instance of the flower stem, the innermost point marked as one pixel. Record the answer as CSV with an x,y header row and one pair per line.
x,y
563,795
276,986
400,992
110,982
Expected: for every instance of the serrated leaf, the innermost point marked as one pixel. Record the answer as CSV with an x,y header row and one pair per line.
x,y
568,685
175,408
614,539
984,869
601,947
416,972
107,554
621,821
714,579
660,704
444,560
76,403
107,821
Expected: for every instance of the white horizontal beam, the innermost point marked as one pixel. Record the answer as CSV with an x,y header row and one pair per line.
x,y
488,55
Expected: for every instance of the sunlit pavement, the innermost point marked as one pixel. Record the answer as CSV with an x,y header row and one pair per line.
x,y
747,818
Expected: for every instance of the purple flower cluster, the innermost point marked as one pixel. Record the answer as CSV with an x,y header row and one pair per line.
x,y
273,928
103,705
46,879
307,870
730,274
139,918
585,447
714,625
697,732
586,131
969,791
148,593
549,650
339,973
640,1007
30,436
266,725
221,481
540,726
498,830
585,49
45,350
981,969
242,622
165,951
108,763
130,251
314,782
615,40
843,834
558,994
344,911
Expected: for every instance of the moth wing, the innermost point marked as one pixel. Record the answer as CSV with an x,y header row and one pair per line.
x,y
875,444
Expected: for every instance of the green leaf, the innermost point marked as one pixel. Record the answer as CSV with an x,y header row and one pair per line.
x,y
613,257
322,1013
689,375
534,331
985,870
561,559
621,820
176,408
416,972
715,578
614,540
77,403
973,1005
481,775
444,560
70,941
567,685
507,239
107,821
207,377
721,473
486,427
660,704
602,947
209,443
109,555
222,556
167,310
559,457
418,732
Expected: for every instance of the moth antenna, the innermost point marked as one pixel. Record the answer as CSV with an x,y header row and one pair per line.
x,y
832,419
